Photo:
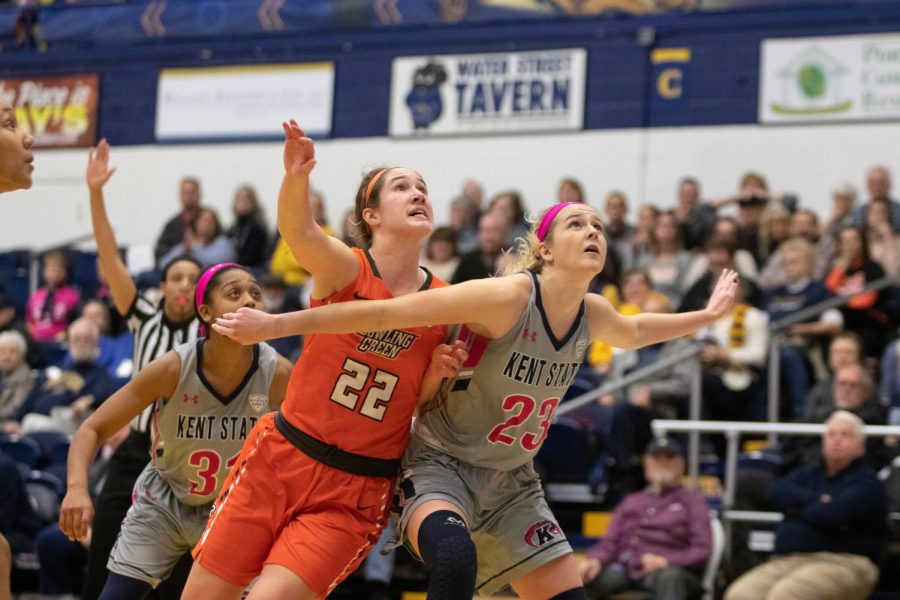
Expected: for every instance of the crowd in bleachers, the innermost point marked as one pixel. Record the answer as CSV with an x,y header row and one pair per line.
x,y
64,348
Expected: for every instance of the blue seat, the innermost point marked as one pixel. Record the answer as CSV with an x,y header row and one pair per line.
x,y
44,498
83,272
48,441
47,480
22,449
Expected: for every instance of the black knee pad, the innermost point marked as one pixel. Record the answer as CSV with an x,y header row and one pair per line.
x,y
449,556
573,594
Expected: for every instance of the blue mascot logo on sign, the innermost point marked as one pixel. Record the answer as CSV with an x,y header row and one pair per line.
x,y
424,100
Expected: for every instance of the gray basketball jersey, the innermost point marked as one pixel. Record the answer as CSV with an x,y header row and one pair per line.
x,y
497,412
196,434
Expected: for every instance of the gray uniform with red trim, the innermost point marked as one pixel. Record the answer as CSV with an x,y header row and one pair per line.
x,y
195,436
474,444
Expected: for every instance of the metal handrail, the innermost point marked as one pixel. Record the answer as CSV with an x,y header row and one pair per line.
x,y
774,367
732,431
696,396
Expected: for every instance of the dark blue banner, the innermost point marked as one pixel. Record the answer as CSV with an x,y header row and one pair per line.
x,y
135,20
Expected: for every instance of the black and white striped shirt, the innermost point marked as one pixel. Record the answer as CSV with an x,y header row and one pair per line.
x,y
154,335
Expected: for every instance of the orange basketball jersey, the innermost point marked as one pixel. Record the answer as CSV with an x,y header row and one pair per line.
x,y
358,391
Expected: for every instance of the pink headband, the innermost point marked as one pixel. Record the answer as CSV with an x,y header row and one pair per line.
x,y
205,278
547,221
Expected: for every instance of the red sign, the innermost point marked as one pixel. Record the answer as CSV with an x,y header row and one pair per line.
x,y
58,111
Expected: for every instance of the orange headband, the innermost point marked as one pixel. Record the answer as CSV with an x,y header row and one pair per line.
x,y
371,185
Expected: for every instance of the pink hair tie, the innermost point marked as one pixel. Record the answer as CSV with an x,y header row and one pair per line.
x,y
547,221
205,278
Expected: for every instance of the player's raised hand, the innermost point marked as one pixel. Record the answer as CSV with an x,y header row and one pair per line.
x,y
76,514
247,326
299,151
98,170
723,296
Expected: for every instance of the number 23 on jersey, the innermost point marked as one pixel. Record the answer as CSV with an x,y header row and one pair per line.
x,y
522,407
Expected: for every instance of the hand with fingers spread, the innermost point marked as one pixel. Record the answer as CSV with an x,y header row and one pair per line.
x,y
299,152
247,326
724,294
98,170
76,513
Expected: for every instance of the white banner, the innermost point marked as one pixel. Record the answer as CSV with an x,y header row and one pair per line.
x,y
488,93
830,79
243,101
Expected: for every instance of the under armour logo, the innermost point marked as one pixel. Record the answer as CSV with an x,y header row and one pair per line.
x,y
187,398
526,333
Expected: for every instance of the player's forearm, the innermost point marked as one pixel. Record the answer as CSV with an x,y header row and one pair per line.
x,y
294,211
84,447
652,328
107,248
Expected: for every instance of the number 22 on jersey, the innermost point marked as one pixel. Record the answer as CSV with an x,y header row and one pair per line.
x,y
353,381
522,407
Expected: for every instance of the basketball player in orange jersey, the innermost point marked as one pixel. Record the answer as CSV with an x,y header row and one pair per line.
x,y
309,494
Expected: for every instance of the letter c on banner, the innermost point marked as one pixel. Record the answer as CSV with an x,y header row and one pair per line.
x,y
668,84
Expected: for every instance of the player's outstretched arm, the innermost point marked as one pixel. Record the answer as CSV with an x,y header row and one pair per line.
x,y
644,329
157,379
330,262
121,286
460,303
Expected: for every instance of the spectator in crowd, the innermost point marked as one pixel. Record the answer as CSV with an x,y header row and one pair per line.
x,y
638,296
851,270
798,293
482,262
720,254
473,191
725,230
734,353
441,256
17,378
844,349
878,184
50,308
752,200
205,241
804,226
178,226
570,190
249,234
74,392
643,232
619,232
659,539
833,532
843,204
881,237
464,215
889,388
774,228
277,297
666,260
115,351
283,262
10,320
695,218
512,208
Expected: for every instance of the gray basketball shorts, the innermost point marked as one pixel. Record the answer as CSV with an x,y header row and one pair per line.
x,y
157,530
511,524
